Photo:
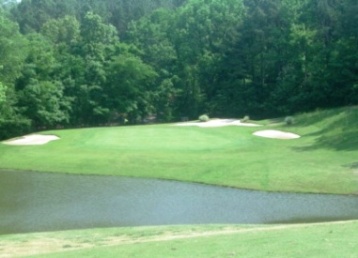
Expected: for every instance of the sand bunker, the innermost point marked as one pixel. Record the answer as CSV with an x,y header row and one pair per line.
x,y
32,139
216,123
275,134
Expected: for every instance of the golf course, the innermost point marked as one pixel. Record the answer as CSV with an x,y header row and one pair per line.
x,y
179,128
322,160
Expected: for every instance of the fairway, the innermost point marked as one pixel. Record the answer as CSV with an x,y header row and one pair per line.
x,y
322,160
326,240
179,128
228,156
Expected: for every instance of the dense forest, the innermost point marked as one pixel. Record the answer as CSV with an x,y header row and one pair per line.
x,y
78,63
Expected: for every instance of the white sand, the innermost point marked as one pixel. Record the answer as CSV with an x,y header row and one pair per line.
x,y
39,139
275,134
216,123
32,139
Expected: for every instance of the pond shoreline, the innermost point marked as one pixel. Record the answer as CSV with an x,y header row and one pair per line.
x,y
33,201
176,180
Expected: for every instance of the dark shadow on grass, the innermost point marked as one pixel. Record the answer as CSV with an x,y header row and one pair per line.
x,y
353,165
345,142
340,135
320,115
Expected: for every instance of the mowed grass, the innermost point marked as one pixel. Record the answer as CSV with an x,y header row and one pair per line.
x,y
306,240
324,159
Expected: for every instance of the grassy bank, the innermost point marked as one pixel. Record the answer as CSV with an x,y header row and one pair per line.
x,y
323,160
305,240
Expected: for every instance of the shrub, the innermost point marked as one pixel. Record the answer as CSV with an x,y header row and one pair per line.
x,y
245,119
289,120
15,127
204,118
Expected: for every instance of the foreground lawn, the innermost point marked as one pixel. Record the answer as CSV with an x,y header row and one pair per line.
x,y
337,239
323,160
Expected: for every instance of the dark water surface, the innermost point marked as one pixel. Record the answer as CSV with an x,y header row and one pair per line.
x,y
32,202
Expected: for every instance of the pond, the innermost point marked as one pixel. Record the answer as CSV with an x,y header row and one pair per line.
x,y
33,202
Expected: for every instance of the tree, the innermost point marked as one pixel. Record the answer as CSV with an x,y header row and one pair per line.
x,y
44,103
11,62
2,93
130,86
33,14
150,35
64,30
175,58
202,30
262,68
40,95
96,48
10,57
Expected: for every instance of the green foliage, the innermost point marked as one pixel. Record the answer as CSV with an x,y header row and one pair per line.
x,y
95,31
64,30
11,42
204,118
130,85
2,93
44,102
289,120
176,58
31,15
245,119
14,126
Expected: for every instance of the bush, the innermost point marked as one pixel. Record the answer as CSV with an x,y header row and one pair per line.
x,y
245,119
289,120
204,118
15,127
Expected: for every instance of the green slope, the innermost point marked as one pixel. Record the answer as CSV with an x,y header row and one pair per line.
x,y
324,159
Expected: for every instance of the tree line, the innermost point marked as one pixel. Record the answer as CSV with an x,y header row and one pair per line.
x,y
91,62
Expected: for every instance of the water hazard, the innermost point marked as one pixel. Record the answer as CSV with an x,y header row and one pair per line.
x,y
33,202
